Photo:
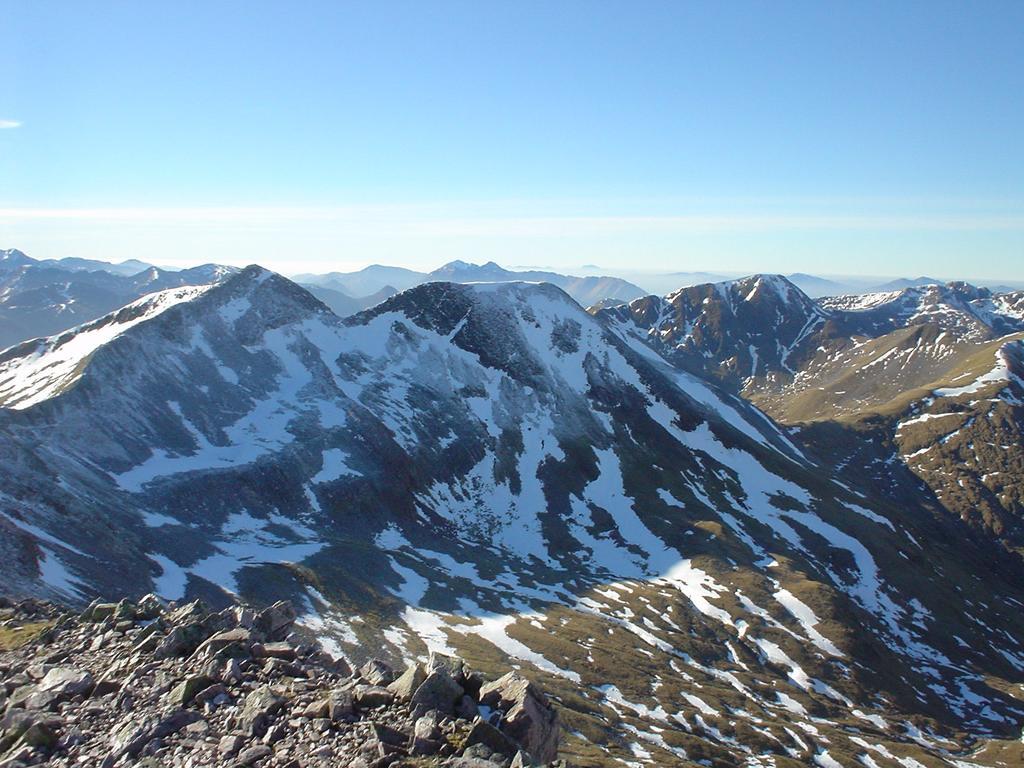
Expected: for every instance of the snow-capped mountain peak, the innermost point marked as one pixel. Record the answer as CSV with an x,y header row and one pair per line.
x,y
40,369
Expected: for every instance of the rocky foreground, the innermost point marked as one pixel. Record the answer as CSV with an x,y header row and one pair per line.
x,y
178,685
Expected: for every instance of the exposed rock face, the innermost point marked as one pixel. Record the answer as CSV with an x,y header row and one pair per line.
x,y
212,702
526,716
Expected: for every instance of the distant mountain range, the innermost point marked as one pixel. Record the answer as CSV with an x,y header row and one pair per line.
x,y
42,298
586,290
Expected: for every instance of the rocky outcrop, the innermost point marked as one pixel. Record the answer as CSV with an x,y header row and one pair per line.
x,y
148,684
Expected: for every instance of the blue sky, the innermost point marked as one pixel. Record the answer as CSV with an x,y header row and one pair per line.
x,y
743,136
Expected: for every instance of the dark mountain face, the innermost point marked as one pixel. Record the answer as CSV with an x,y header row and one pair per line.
x,y
862,367
735,331
12,258
763,336
971,313
491,469
39,299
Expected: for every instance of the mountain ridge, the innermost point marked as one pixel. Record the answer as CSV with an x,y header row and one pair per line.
x,y
464,462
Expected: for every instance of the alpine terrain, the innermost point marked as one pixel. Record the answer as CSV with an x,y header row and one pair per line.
x,y
603,503
40,298
917,390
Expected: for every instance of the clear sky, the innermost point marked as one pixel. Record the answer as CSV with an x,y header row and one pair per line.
x,y
837,137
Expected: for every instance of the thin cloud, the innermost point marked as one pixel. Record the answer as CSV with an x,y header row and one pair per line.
x,y
10,124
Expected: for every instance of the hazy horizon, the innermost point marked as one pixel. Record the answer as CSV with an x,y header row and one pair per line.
x,y
660,280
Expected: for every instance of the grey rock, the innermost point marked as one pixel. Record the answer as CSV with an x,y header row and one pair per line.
x,y
134,732
377,672
230,744
484,733
274,621
529,718
341,704
185,691
66,682
372,696
453,666
259,707
407,683
438,691
250,755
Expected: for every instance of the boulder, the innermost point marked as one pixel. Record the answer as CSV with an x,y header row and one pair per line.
x,y
135,732
66,682
452,665
438,691
372,696
259,707
407,683
528,718
185,691
230,643
274,621
377,672
250,755
181,641
484,733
